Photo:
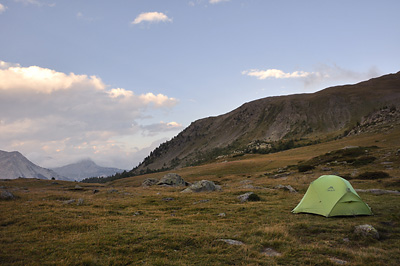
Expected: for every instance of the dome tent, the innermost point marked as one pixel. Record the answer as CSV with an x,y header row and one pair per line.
x,y
331,195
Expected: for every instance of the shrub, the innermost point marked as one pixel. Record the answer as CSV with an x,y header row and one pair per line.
x,y
305,167
253,197
373,175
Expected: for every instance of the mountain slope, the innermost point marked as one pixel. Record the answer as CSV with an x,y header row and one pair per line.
x,y
14,165
326,113
84,169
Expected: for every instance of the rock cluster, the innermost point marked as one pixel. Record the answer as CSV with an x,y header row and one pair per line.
x,y
202,186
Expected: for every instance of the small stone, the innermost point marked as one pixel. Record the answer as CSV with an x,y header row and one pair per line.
x,y
222,214
338,261
288,188
168,199
78,187
231,242
69,201
80,202
366,230
95,191
270,252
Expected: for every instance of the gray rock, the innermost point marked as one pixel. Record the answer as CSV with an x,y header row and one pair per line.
x,y
249,196
80,202
173,180
288,188
78,187
366,230
6,195
338,261
231,242
222,214
168,199
149,182
202,186
270,252
95,191
69,201
201,201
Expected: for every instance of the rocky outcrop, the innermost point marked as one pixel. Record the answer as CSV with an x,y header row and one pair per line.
x,y
202,186
366,230
173,180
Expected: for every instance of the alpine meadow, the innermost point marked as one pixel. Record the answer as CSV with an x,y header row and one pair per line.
x,y
199,132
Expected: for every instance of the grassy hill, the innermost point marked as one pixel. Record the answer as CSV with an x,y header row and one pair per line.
x,y
126,224
275,123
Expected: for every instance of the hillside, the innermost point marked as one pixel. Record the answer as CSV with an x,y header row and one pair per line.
x,y
84,169
14,165
276,123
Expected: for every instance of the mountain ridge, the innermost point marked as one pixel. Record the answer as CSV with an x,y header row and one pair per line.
x,y
324,114
14,165
85,169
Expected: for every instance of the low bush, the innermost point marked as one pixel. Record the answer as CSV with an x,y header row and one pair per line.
x,y
373,175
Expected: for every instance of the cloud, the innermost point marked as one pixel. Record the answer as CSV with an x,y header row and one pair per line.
x,y
162,127
336,74
274,73
151,17
34,2
55,113
2,8
326,75
217,1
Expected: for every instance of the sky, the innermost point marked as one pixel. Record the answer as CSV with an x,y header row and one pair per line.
x,y
111,80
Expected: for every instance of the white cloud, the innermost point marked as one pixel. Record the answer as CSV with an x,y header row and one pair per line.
x,y
63,115
2,8
217,1
152,17
274,73
324,75
335,74
162,127
33,2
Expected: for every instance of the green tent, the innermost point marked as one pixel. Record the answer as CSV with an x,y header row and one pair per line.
x,y
331,195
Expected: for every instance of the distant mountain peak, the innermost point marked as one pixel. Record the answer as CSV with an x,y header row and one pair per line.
x,y
14,165
85,168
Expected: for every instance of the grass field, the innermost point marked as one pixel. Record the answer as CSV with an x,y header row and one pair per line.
x,y
126,224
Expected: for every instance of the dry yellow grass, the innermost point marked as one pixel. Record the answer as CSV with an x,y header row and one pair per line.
x,y
126,224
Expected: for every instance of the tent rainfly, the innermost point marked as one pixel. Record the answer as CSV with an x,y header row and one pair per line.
x,y
331,195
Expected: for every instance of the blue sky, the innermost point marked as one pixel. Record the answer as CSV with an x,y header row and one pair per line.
x,y
111,80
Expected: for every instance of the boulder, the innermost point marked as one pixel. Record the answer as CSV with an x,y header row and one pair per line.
x,y
288,188
249,196
149,182
173,180
6,195
366,230
202,186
